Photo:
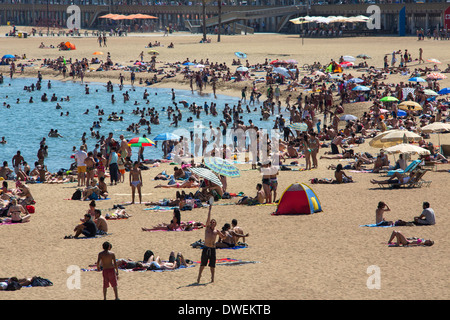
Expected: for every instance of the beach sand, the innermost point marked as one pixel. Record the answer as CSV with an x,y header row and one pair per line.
x,y
325,255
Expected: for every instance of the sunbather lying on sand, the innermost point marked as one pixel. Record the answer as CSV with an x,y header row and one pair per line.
x,y
402,240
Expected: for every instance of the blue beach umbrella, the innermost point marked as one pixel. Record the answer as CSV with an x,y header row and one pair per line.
x,y
8,56
417,79
240,55
188,64
401,113
361,88
444,91
356,80
222,167
166,136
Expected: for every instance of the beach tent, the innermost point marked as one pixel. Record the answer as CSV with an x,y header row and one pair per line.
x,y
333,68
298,198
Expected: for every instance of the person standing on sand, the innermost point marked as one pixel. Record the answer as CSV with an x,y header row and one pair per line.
x,y
420,56
209,250
136,181
106,262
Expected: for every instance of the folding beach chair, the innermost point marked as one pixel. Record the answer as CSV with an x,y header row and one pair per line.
x,y
412,166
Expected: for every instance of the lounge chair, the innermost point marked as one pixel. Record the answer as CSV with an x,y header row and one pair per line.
x,y
416,181
412,166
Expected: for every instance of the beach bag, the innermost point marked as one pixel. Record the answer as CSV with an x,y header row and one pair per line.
x,y
77,195
40,282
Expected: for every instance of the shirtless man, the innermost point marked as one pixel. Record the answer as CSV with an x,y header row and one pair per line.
x,y
109,268
237,231
136,181
124,150
100,222
258,199
209,250
17,161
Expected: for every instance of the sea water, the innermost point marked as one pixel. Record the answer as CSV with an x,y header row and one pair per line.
x,y
24,124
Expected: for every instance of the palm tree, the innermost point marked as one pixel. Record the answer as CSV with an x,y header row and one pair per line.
x,y
219,3
204,19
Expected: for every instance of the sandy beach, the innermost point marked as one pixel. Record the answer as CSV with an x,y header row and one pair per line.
x,y
325,255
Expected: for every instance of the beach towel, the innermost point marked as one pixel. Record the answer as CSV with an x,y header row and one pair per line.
x,y
200,245
137,269
160,208
90,199
196,226
230,262
376,225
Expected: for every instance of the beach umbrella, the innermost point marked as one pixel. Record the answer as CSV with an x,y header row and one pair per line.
x,y
349,58
346,64
8,56
361,88
363,56
242,69
199,66
298,126
401,113
222,167
377,143
166,136
409,105
141,142
417,79
318,73
206,174
444,91
436,127
430,92
400,136
292,61
282,71
348,117
97,52
188,64
154,52
389,99
240,55
406,148
356,80
436,76
433,60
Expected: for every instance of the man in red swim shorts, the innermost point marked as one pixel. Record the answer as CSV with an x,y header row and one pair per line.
x,y
107,262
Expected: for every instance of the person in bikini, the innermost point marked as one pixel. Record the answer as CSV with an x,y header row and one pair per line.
x,y
402,240
136,181
15,212
90,167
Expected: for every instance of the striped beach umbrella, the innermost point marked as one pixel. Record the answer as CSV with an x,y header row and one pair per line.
x,y
436,76
298,126
206,174
417,79
141,142
222,167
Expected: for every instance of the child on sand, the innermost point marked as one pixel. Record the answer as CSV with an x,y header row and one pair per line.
x,y
107,263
